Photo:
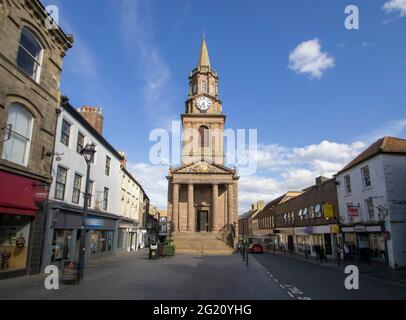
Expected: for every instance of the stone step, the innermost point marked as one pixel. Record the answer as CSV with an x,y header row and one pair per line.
x,y
200,243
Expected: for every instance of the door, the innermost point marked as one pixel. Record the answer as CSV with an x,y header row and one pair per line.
x,y
202,221
327,243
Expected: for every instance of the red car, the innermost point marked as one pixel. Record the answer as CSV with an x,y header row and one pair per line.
x,y
256,248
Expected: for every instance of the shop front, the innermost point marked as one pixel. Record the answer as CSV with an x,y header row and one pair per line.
x,y
316,238
20,201
63,229
126,239
365,242
285,239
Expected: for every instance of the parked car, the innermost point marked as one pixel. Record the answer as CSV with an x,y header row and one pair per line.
x,y
256,248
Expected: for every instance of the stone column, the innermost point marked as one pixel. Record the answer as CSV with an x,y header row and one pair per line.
x,y
190,208
175,206
215,195
230,203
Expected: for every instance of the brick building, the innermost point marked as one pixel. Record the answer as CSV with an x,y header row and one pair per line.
x,y
31,64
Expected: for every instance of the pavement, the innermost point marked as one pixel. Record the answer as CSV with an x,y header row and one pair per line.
x,y
307,279
377,270
134,276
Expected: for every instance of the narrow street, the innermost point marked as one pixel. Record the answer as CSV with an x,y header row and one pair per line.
x,y
306,280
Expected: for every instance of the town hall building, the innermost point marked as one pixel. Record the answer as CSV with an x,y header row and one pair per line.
x,y
203,192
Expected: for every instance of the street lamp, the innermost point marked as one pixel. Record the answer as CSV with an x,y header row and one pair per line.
x,y
88,153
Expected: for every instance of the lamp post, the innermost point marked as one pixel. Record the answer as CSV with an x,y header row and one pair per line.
x,y
88,153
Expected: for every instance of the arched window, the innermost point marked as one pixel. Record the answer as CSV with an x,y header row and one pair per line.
x,y
204,87
204,137
212,89
194,89
29,56
17,147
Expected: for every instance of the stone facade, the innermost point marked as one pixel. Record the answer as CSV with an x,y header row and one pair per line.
x,y
31,58
203,193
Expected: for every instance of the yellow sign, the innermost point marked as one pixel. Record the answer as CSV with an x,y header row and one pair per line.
x,y
335,228
328,210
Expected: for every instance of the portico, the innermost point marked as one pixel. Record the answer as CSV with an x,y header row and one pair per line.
x,y
202,197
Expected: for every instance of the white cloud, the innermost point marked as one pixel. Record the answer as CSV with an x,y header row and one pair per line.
x,y
138,38
153,180
394,6
307,58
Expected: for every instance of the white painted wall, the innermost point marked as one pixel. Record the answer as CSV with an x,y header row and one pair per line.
x,y
129,197
388,189
75,163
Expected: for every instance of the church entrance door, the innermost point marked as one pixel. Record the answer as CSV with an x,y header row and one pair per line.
x,y
202,221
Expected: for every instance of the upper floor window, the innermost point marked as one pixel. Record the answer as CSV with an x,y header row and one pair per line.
x,y
77,185
318,210
65,133
29,54
105,198
369,204
60,183
17,148
107,168
366,178
347,183
204,86
89,199
204,137
80,143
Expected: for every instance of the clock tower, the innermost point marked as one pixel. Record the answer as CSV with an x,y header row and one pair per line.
x,y
203,120
202,192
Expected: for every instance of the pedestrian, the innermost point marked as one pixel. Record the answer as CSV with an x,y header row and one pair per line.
x,y
317,249
346,251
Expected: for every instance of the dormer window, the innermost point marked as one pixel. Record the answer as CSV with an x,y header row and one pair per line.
x,y
29,56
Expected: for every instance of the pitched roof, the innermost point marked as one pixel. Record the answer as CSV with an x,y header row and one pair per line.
x,y
383,145
266,211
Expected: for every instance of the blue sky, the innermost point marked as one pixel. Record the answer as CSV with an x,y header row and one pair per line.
x,y
133,58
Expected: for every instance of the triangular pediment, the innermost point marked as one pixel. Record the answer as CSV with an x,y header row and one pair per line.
x,y
203,167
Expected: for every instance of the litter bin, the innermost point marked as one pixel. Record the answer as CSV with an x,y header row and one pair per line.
x,y
153,251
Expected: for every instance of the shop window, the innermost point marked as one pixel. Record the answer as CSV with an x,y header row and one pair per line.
x,y
120,239
14,237
65,132
60,184
17,148
77,185
61,245
102,241
29,55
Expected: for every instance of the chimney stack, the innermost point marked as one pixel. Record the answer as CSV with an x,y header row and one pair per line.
x,y
94,116
320,180
123,161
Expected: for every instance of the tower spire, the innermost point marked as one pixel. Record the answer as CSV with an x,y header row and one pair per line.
x,y
204,60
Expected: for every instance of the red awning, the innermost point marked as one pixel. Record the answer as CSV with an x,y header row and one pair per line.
x,y
19,195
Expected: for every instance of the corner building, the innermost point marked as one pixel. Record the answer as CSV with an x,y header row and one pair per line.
x,y
202,192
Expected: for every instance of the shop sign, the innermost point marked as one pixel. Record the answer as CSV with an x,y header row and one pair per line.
x,y
328,210
308,230
352,211
360,229
335,228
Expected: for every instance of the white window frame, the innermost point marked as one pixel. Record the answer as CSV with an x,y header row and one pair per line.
x,y
37,76
28,138
364,177
347,184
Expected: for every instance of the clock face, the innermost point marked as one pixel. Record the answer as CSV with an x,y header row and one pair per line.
x,y
203,103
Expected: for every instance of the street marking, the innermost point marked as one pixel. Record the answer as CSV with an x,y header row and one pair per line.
x,y
291,295
282,286
304,298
